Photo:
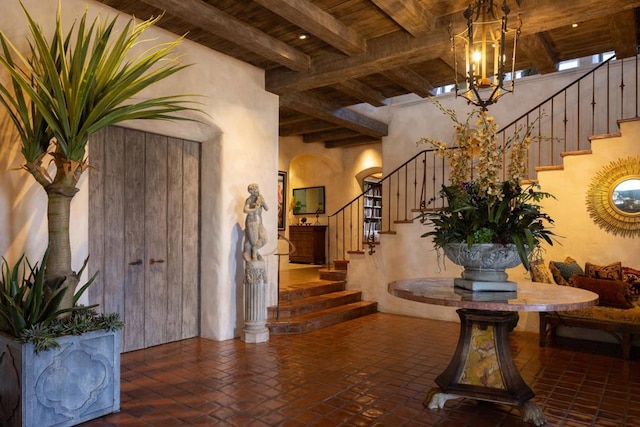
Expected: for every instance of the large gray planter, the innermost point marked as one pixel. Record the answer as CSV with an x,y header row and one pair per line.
x,y
483,261
60,387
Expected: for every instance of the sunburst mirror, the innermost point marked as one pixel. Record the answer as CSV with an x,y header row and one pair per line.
x,y
613,198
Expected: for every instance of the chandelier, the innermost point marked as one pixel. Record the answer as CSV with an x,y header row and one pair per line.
x,y
484,45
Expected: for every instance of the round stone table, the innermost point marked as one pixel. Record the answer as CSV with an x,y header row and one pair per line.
x,y
482,367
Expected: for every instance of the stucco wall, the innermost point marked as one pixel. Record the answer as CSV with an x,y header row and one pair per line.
x,y
239,138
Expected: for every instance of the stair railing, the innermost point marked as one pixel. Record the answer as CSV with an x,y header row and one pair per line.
x,y
561,124
404,190
590,105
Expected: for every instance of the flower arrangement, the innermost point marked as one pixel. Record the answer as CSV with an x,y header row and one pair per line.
x,y
481,206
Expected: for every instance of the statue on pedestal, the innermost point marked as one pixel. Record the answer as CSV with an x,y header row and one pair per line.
x,y
255,237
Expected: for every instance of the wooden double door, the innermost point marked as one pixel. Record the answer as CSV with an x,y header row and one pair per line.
x,y
143,234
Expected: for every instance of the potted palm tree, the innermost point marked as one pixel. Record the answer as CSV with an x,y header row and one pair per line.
x,y
58,94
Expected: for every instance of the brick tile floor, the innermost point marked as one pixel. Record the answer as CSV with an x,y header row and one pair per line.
x,y
371,371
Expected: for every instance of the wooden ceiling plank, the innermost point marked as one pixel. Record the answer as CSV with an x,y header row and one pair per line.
x,y
226,26
399,48
410,80
459,67
322,109
539,52
329,135
623,31
361,91
412,15
316,21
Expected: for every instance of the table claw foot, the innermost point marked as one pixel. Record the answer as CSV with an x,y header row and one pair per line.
x,y
531,413
435,399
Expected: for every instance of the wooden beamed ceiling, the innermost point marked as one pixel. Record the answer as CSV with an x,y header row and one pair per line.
x,y
367,51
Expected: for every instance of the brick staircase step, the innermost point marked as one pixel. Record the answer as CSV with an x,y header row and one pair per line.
x,y
604,136
549,168
309,289
321,319
315,303
575,153
333,274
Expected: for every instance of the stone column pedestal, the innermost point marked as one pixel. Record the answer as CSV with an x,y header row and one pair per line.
x,y
255,306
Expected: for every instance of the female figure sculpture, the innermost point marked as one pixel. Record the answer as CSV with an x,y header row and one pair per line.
x,y
255,235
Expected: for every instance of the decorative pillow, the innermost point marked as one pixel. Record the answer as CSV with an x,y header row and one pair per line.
x,y
539,272
562,271
612,293
611,271
632,277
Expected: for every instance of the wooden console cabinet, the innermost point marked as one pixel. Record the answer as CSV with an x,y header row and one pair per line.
x,y
309,242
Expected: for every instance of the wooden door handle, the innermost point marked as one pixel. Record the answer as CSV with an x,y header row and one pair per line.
x,y
136,262
155,261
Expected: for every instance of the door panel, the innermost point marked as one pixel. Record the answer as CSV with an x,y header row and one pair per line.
x,y
114,184
134,259
190,240
155,215
174,240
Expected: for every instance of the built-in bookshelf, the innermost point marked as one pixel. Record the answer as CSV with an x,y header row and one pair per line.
x,y
372,209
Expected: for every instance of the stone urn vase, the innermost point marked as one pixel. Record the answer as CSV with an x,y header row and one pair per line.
x,y
483,262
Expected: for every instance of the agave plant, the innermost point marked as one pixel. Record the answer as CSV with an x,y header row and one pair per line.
x,y
68,88
25,299
30,309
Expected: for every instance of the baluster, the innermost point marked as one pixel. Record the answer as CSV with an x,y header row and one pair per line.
x,y
406,193
415,184
565,122
552,130
621,89
593,104
608,92
577,121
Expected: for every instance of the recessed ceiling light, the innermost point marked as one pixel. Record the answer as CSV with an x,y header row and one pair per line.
x,y
574,25
303,36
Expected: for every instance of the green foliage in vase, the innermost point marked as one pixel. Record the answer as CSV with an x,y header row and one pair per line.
x,y
481,206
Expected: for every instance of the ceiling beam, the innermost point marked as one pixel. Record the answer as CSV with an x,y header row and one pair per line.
x,y
358,140
215,21
623,32
291,117
399,48
310,125
321,24
329,135
412,15
410,80
361,92
323,109
539,52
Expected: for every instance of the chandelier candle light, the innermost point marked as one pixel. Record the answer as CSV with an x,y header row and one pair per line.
x,y
484,44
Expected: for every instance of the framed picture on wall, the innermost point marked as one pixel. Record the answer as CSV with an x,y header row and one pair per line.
x,y
282,199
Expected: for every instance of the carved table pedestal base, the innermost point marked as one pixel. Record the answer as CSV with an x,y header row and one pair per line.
x,y
482,367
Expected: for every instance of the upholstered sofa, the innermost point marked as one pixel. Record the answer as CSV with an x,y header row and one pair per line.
x,y
618,310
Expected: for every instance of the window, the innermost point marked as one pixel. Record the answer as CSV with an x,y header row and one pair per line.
x,y
569,64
